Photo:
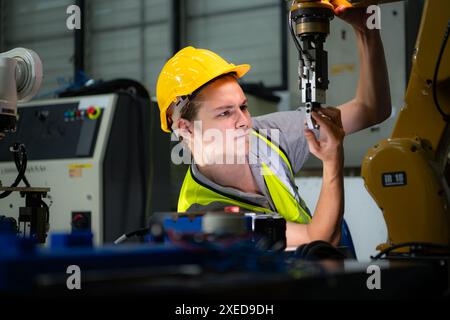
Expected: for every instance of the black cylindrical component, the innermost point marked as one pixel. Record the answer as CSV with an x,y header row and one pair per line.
x,y
313,20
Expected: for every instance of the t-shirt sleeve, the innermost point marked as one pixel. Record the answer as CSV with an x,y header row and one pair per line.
x,y
291,135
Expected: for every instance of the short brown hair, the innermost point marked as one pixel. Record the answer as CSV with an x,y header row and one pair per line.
x,y
190,110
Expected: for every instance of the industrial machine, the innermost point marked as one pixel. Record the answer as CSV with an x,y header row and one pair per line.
x,y
92,155
20,79
197,267
407,174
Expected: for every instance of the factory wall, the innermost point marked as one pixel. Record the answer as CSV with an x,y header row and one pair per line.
x,y
41,26
134,38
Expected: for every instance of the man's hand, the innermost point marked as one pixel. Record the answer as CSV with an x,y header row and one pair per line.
x,y
327,219
329,147
357,17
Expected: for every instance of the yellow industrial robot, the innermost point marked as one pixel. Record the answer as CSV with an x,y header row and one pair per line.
x,y
407,174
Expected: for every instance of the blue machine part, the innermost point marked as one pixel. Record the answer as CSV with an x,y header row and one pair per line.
x,y
8,224
193,224
183,224
23,263
74,239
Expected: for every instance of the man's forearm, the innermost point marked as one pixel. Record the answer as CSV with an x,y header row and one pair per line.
x,y
326,222
373,85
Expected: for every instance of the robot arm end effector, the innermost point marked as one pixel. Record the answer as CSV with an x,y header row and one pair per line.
x,y
20,80
309,23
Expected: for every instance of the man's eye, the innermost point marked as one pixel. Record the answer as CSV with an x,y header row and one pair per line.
x,y
244,107
224,114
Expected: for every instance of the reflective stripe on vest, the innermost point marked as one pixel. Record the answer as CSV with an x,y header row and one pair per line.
x,y
194,192
284,202
279,183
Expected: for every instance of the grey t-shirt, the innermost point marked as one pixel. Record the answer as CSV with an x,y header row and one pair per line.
x,y
291,140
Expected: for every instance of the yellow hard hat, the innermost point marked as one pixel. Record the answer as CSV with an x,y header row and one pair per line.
x,y
187,71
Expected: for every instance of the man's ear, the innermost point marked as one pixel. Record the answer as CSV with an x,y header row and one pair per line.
x,y
185,128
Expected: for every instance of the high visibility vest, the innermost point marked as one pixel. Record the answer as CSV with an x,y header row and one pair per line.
x,y
279,183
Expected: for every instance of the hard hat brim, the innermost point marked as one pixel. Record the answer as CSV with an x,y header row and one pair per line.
x,y
240,70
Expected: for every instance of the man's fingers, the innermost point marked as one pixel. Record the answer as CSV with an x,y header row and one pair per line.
x,y
327,126
312,141
330,110
323,120
333,113
340,6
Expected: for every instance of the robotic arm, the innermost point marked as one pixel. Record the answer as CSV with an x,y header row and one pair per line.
x,y
408,173
309,23
20,80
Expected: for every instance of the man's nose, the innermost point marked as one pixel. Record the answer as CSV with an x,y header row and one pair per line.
x,y
242,121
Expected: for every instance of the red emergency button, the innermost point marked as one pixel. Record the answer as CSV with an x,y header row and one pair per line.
x,y
93,112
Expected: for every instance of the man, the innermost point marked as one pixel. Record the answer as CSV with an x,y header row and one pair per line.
x,y
198,93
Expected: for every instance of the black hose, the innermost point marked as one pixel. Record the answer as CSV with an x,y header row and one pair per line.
x,y
20,159
445,116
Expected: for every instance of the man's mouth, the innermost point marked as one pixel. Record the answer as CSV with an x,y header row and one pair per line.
x,y
242,135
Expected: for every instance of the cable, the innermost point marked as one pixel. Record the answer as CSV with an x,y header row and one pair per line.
x,y
138,233
305,58
21,158
294,36
291,29
47,211
16,149
414,246
445,116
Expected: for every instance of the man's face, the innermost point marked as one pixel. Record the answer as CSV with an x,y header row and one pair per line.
x,y
222,124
